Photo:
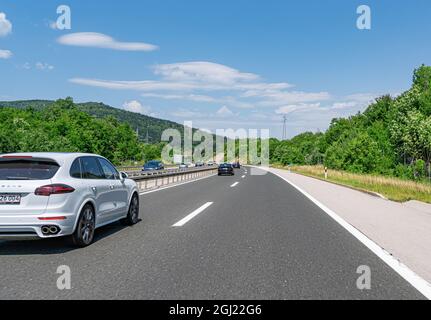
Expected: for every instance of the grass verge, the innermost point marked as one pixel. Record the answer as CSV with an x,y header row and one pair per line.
x,y
391,188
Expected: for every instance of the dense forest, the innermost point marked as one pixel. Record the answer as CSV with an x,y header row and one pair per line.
x,y
64,127
391,137
141,123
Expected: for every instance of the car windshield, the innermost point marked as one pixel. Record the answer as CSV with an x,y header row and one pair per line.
x,y
152,164
20,169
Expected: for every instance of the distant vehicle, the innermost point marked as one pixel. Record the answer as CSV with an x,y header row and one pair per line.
x,y
153,166
226,169
211,163
178,159
50,195
200,164
236,165
183,166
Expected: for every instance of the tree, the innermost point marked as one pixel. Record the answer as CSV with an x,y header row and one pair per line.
x,y
392,136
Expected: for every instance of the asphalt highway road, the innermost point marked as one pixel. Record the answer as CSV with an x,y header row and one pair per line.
x,y
235,238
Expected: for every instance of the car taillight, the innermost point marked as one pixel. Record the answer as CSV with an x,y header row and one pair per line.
x,y
53,189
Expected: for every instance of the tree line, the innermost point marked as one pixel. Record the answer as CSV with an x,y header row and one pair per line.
x,y
62,127
391,137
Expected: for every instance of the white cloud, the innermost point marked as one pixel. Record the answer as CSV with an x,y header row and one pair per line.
x,y
5,25
358,101
190,97
5,54
190,76
136,107
52,25
203,72
149,85
232,101
297,107
184,113
99,40
43,66
26,66
344,105
134,85
214,83
363,97
279,98
224,112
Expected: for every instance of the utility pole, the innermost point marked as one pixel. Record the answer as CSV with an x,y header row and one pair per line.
x,y
147,137
284,127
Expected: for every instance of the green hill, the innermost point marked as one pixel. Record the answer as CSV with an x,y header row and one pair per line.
x,y
136,121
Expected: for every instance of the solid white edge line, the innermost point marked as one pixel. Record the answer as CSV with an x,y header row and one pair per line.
x,y
176,185
183,221
234,185
405,272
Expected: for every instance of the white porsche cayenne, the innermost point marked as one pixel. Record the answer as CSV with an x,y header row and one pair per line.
x,y
47,195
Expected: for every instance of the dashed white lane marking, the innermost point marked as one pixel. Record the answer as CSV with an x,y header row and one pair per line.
x,y
182,222
234,185
243,177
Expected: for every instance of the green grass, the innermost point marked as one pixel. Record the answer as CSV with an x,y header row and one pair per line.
x,y
392,188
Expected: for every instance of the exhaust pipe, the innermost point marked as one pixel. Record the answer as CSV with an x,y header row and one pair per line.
x,y
53,230
45,230
50,230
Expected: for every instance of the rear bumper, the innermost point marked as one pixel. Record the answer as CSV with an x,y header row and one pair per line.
x,y
30,227
226,173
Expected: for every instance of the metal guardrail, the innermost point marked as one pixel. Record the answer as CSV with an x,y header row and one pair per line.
x,y
139,168
157,179
137,173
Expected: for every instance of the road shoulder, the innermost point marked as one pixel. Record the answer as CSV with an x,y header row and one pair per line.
x,y
399,229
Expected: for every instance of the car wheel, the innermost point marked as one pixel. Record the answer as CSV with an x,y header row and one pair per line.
x,y
84,233
133,214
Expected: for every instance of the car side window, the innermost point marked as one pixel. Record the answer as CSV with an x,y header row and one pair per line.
x,y
108,169
75,169
91,168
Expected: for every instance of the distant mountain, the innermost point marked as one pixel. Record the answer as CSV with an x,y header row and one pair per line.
x,y
137,121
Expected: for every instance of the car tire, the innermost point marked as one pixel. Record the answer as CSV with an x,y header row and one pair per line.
x,y
85,228
133,213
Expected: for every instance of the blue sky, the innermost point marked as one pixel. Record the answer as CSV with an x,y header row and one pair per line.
x,y
221,64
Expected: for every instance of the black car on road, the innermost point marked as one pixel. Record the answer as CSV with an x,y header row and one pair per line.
x,y
226,169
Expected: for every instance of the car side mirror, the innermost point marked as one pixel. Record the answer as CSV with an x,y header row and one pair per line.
x,y
123,176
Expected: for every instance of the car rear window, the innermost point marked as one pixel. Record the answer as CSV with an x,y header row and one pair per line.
x,y
26,169
225,165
